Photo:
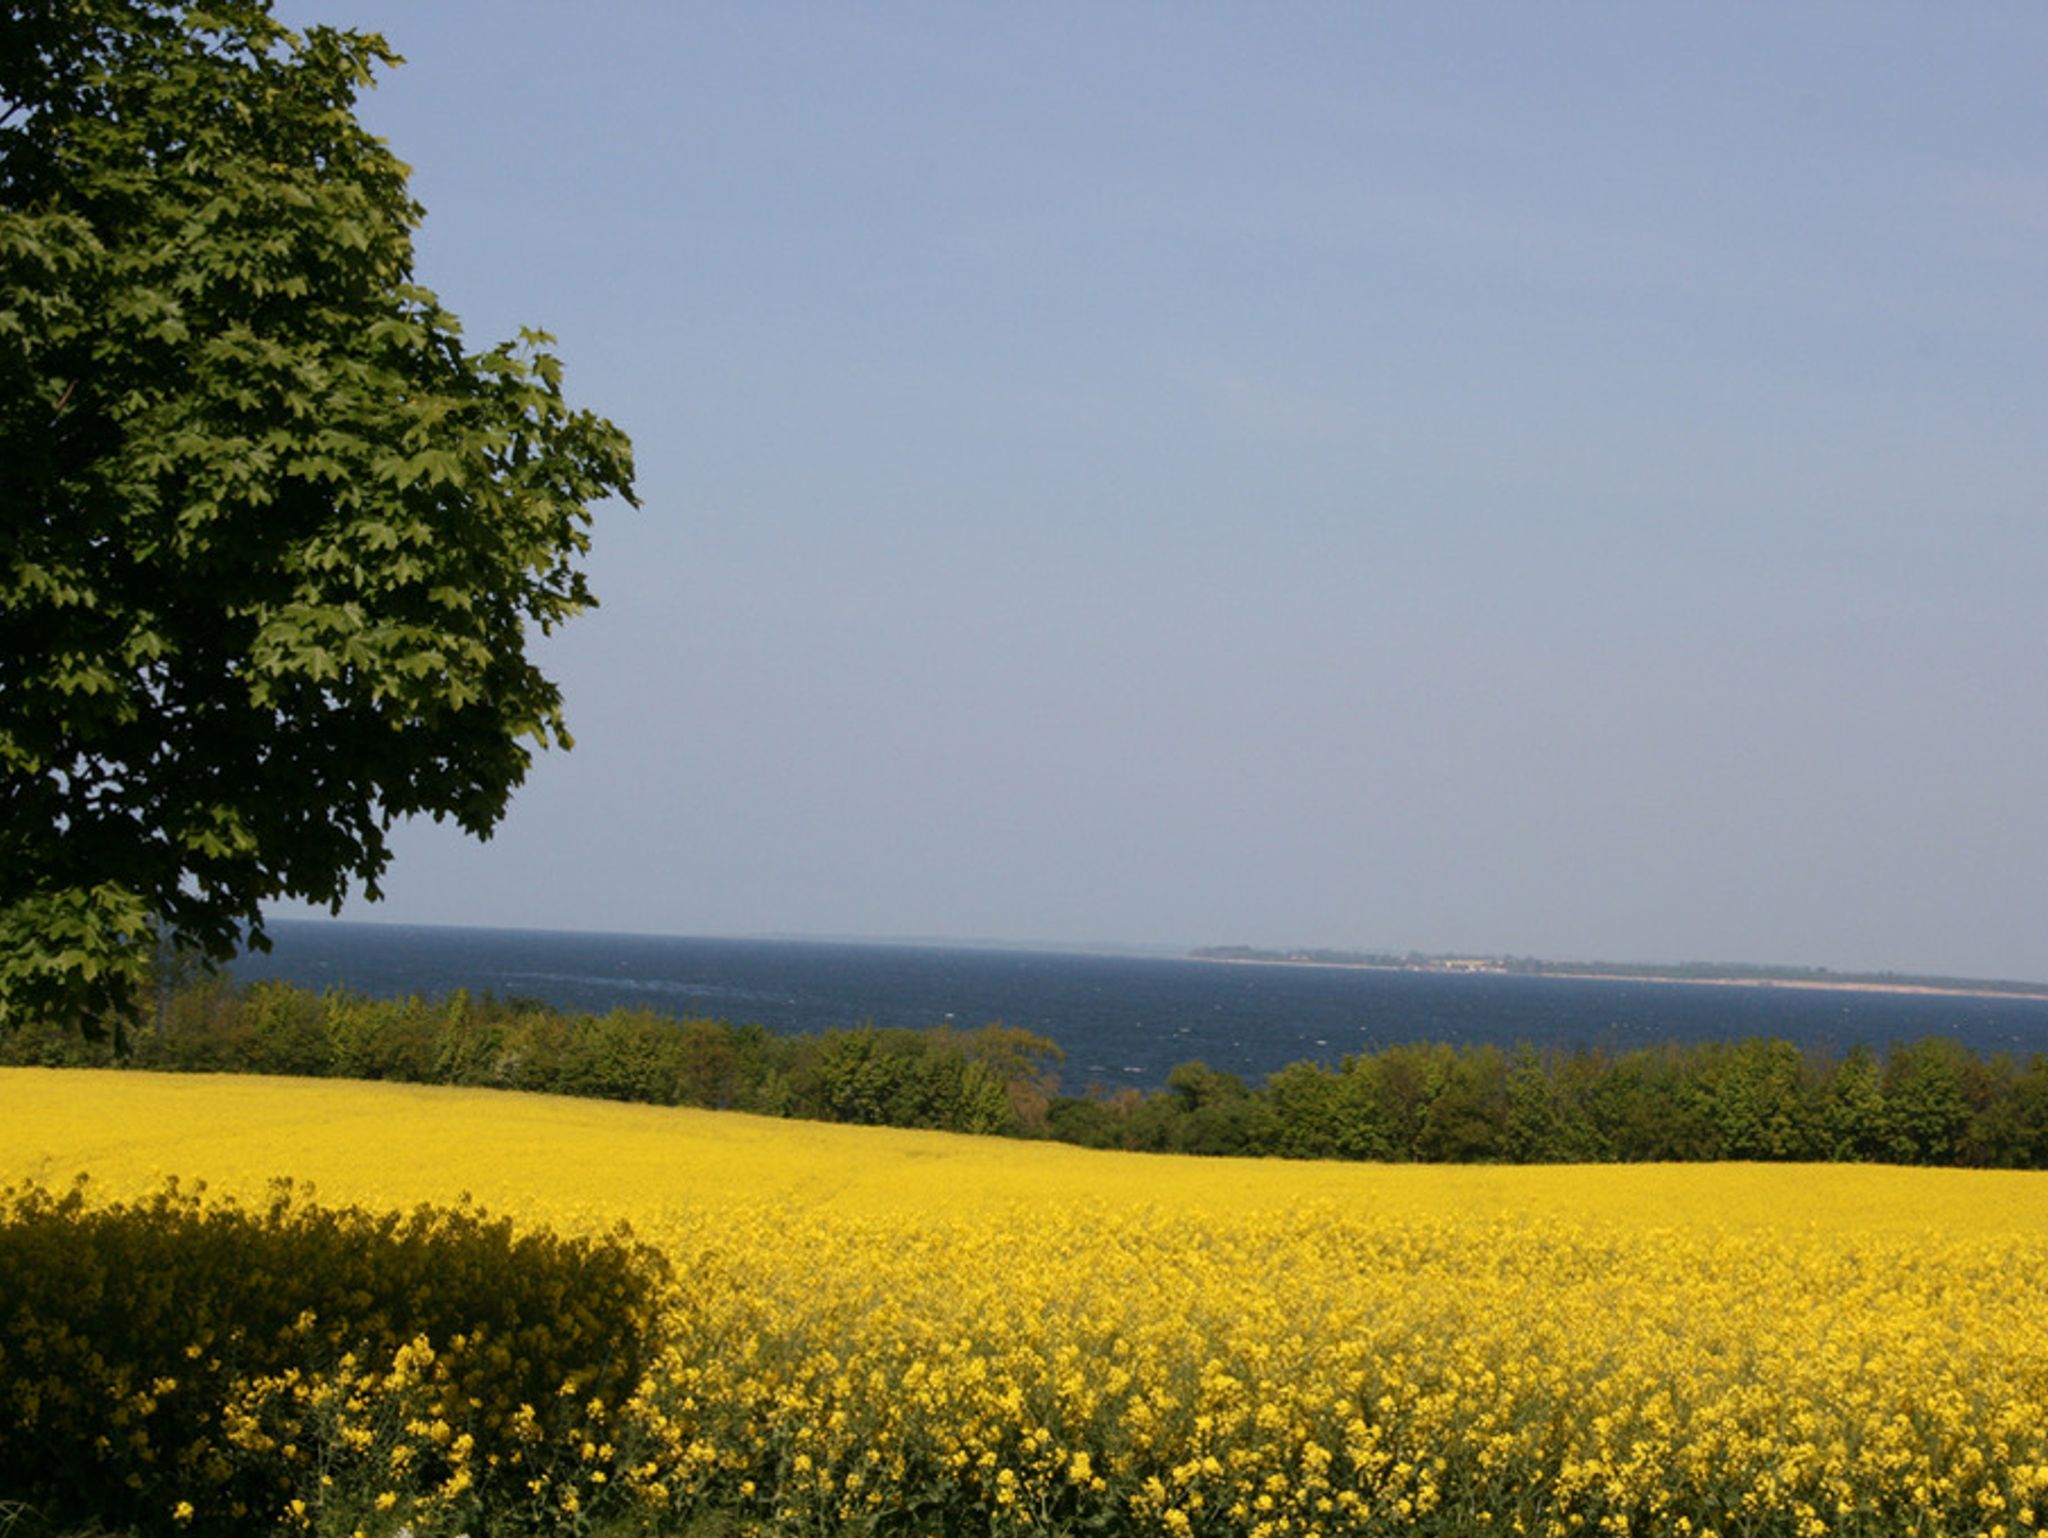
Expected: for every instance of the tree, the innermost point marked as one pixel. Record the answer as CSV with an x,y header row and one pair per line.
x,y
1926,1100
271,539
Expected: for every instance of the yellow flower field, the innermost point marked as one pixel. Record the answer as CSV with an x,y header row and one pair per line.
x,y
920,1329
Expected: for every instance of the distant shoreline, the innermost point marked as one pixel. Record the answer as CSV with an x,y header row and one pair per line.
x,y
1811,984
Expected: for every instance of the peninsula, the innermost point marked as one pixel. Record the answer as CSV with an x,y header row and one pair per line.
x,y
1727,974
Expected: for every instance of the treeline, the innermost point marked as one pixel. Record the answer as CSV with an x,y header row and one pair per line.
x,y
1926,1102
992,1080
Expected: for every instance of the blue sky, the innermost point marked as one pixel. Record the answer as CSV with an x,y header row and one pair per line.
x,y
1563,480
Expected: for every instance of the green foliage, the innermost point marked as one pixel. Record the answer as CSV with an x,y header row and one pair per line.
x,y
994,1080
1466,1118
190,1349
1322,1115
77,951
1758,1099
1925,1102
271,539
900,1078
1929,1102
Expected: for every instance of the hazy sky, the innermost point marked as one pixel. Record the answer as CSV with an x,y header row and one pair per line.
x,y
1564,480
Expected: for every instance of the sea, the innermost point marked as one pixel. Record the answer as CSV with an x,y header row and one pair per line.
x,y
1123,1021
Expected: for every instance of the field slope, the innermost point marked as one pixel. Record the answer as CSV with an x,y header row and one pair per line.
x,y
915,1326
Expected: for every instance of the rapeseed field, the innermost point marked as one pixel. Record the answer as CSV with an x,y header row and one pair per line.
x,y
868,1330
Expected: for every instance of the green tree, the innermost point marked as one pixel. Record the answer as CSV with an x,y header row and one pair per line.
x,y
1310,1118
1201,1087
1321,1113
272,540
1643,1107
1756,1096
1854,1126
1403,1080
1926,1100
1024,1063
1467,1115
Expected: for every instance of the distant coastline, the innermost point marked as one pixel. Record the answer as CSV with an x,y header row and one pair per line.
x,y
1700,973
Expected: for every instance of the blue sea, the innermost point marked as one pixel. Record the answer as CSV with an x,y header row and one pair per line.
x,y
1122,1020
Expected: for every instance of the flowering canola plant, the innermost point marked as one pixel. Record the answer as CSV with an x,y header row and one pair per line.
x,y
870,1329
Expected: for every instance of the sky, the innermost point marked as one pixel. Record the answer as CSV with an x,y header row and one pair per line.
x,y
1560,481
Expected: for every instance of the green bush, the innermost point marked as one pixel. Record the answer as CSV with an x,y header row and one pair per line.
x,y
195,1361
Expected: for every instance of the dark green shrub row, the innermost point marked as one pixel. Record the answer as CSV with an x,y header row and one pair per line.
x,y
1926,1102
992,1080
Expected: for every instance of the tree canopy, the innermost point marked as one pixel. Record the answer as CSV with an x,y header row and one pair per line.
x,y
272,541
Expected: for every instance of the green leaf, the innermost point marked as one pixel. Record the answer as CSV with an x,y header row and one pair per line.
x,y
276,584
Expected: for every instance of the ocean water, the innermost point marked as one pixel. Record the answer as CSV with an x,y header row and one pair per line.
x,y
1122,1020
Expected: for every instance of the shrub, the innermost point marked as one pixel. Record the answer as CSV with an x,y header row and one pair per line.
x,y
194,1360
